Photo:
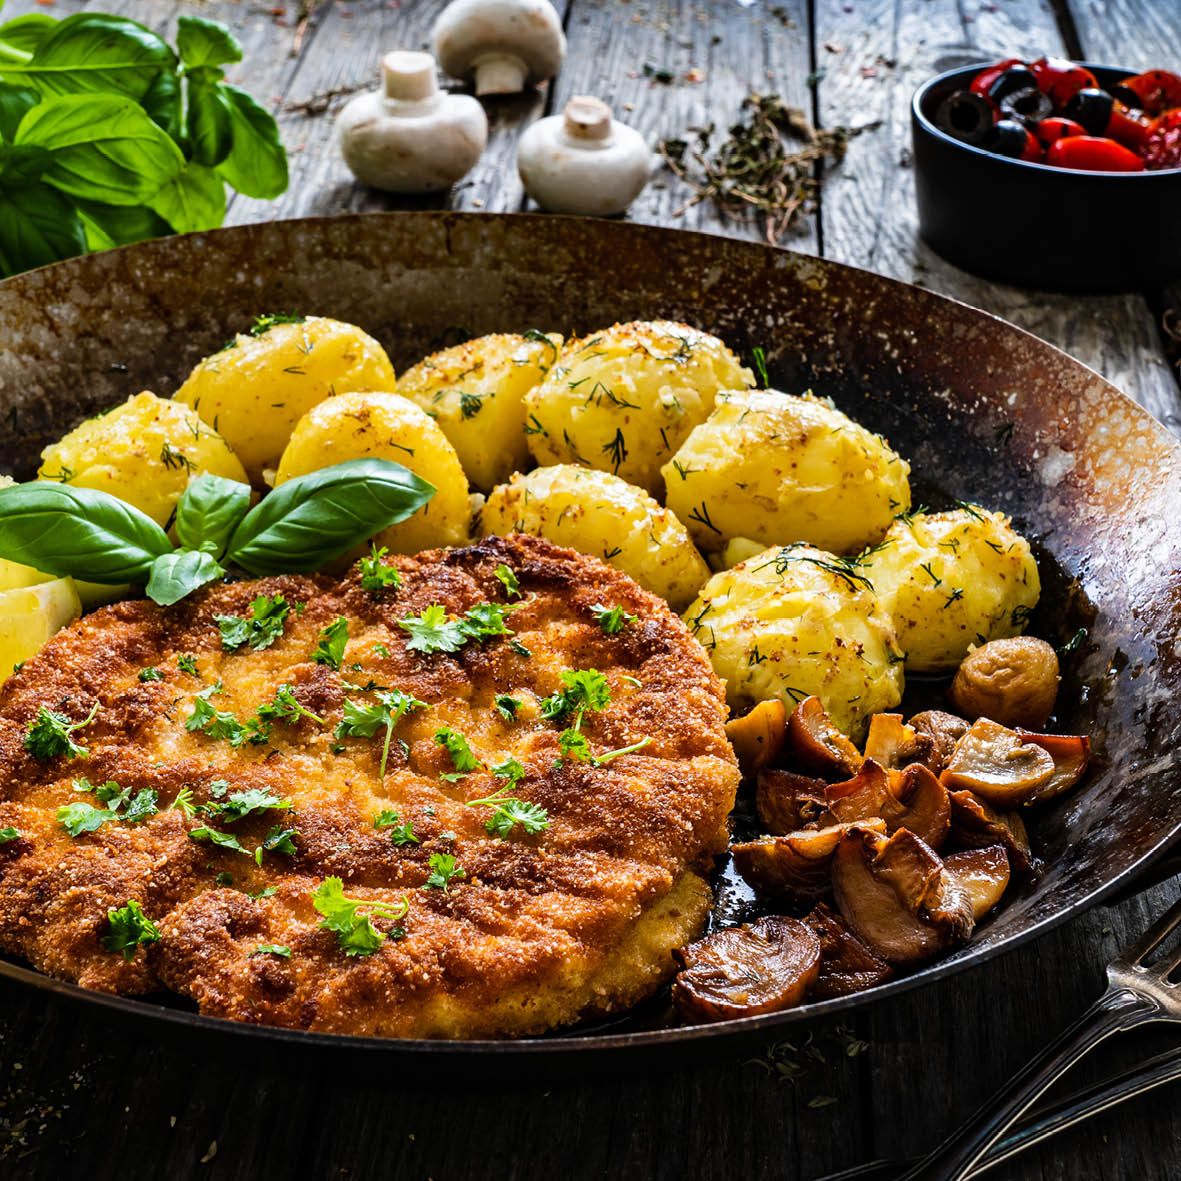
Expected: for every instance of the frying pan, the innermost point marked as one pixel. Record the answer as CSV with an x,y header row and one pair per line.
x,y
984,411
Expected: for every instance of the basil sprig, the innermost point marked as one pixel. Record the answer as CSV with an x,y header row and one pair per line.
x,y
299,527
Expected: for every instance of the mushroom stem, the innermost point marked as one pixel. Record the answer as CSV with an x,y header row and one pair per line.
x,y
500,73
409,76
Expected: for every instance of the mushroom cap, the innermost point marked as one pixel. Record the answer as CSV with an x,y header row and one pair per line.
x,y
517,41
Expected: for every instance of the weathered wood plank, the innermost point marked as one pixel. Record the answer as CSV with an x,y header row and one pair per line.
x,y
868,215
677,65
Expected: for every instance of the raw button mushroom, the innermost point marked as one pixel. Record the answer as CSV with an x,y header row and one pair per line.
x,y
410,137
506,44
583,161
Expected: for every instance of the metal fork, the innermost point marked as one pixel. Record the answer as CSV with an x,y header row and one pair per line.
x,y
1137,993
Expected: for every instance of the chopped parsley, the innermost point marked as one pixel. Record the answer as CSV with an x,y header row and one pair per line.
x,y
221,724
612,619
223,840
582,689
265,323
246,803
572,743
333,638
129,927
512,586
507,706
9,834
485,621
377,574
432,631
51,734
362,720
268,614
443,869
278,840
285,707
352,918
509,810
462,758
279,949
187,663
400,834
150,674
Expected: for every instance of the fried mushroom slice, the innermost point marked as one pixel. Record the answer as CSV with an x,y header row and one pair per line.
x,y
786,801
815,745
913,798
1013,681
796,866
984,875
998,764
977,825
743,971
927,804
864,796
758,736
944,730
895,895
895,744
846,964
1071,754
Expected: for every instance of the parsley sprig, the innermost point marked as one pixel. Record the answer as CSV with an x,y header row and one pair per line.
x,y
329,649
268,615
377,574
352,918
612,619
582,689
509,580
400,833
128,928
444,868
462,758
285,707
435,631
509,810
363,720
51,734
82,817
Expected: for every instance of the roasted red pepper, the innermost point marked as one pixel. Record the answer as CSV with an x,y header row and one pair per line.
x,y
1164,141
1093,153
1054,128
1157,90
987,76
1061,79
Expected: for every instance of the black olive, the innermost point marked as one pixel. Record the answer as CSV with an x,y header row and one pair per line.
x,y
1127,96
1092,108
965,116
1013,79
1008,138
1027,106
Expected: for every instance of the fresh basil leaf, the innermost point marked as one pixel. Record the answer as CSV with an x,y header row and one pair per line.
x,y
21,164
209,122
312,519
209,512
15,101
193,200
63,530
105,148
21,36
257,163
91,53
175,575
38,225
205,43
116,225
162,102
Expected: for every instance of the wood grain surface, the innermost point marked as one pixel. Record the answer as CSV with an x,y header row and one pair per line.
x,y
84,1096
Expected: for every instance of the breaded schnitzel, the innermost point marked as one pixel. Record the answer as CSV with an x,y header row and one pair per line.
x,y
534,924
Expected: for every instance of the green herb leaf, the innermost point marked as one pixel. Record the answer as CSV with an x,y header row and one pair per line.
x,y
15,103
187,663
257,164
50,734
63,531
223,840
362,720
433,631
286,707
376,574
333,638
582,689
400,834
507,706
80,817
203,42
38,226
443,869
128,928
509,580
351,918
209,120
8,834
21,36
246,803
268,616
279,949
209,511
612,619
194,199
462,758
173,576
485,621
313,519
150,674
278,840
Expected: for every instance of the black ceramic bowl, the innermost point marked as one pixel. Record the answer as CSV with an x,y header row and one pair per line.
x,y
1053,228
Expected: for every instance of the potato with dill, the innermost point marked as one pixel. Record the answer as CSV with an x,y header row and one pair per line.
x,y
259,386
379,425
796,621
950,580
145,452
598,513
624,399
779,468
475,392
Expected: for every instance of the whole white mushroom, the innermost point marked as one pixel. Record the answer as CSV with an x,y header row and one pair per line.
x,y
583,161
410,137
504,44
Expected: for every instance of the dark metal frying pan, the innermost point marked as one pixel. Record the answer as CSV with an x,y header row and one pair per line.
x,y
984,412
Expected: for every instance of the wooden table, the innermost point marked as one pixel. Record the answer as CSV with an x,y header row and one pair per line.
x,y
79,1097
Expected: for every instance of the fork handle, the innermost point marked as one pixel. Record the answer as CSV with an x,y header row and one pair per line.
x,y
1114,1012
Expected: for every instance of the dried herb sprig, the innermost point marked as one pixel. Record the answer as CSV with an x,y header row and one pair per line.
x,y
759,169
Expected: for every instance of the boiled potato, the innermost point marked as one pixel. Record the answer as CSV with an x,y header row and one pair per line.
x,y
144,452
779,468
12,574
793,622
259,386
31,615
624,399
950,580
380,425
475,392
598,513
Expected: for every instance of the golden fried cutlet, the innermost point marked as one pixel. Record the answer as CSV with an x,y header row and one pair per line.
x,y
540,929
